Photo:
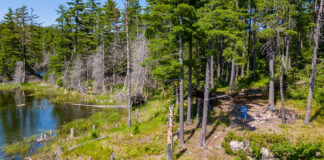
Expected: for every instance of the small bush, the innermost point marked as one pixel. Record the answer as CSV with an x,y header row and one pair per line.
x,y
300,151
242,155
226,144
94,134
135,129
256,151
228,148
59,82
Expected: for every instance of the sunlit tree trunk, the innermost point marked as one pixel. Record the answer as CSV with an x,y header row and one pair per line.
x,y
181,119
281,77
202,140
313,72
129,122
189,84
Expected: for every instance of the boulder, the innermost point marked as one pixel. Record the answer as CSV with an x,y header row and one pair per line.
x,y
216,146
266,154
236,145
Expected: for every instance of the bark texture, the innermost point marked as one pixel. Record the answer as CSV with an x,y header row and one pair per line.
x,y
202,140
313,72
170,134
129,122
181,118
189,84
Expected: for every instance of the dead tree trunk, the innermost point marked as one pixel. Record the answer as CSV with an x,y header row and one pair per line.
x,y
177,96
283,121
313,72
219,64
212,72
198,110
189,84
114,58
271,105
227,72
202,140
253,55
181,119
232,74
236,73
244,46
129,122
170,134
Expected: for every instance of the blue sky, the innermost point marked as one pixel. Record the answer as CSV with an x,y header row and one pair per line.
x,y
44,9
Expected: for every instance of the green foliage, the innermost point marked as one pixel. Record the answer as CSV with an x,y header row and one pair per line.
x,y
94,134
19,147
283,148
241,155
256,150
135,129
226,143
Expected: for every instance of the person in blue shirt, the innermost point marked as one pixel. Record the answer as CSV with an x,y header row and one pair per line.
x,y
244,114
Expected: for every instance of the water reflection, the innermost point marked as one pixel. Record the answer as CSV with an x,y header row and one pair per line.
x,y
19,121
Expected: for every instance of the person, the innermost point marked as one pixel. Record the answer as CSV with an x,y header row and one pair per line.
x,y
244,114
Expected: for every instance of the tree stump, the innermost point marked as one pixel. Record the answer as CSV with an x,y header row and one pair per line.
x,y
293,118
170,134
59,151
112,156
72,133
137,113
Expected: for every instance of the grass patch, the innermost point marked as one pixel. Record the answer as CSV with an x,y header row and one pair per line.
x,y
19,147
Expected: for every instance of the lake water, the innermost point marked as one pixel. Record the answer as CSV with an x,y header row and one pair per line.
x,y
37,116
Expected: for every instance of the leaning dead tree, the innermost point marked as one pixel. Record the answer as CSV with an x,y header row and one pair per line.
x,y
77,74
98,71
139,72
19,75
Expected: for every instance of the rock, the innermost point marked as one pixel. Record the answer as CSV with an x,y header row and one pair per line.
x,y
236,145
318,154
216,146
175,137
250,158
266,154
247,145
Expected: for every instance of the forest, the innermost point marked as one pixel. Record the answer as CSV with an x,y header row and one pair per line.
x,y
193,55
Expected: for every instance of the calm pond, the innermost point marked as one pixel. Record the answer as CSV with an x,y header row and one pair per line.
x,y
37,116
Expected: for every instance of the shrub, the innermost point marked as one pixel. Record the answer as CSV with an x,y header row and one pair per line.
x,y
242,155
135,129
59,82
226,144
256,151
94,134
300,151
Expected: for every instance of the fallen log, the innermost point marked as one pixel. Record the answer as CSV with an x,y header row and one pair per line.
x,y
81,144
220,97
102,106
21,105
